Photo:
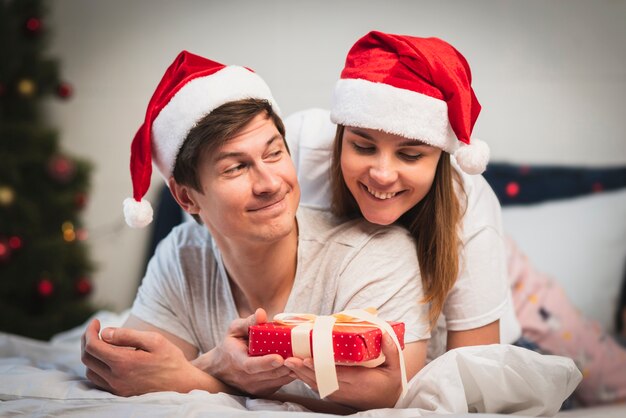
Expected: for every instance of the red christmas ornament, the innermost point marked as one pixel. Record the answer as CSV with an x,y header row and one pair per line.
x,y
15,242
33,26
80,200
83,286
45,288
512,189
61,169
65,90
5,251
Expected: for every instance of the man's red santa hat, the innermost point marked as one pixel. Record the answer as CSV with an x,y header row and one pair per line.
x,y
418,88
191,88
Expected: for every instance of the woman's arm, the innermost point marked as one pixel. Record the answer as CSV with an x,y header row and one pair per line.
x,y
368,388
487,334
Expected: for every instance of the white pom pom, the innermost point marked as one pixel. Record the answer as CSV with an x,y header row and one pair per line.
x,y
137,214
473,158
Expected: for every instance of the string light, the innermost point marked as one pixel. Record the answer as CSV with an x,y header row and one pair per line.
x,y
512,189
68,231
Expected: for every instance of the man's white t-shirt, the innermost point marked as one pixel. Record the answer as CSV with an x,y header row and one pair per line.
x,y
481,293
186,290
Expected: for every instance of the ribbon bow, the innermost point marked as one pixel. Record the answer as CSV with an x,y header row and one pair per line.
x,y
322,326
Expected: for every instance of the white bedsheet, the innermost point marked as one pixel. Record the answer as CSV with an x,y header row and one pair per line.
x,y
41,378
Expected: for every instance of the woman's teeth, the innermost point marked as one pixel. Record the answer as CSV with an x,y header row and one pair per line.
x,y
380,195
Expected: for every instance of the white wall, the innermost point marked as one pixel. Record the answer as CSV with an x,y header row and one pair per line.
x,y
551,77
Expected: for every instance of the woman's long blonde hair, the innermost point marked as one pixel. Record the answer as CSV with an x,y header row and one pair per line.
x,y
434,224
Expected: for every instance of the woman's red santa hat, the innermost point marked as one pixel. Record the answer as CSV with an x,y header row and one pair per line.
x,y
191,88
418,88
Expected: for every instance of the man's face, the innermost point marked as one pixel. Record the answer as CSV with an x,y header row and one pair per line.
x,y
250,191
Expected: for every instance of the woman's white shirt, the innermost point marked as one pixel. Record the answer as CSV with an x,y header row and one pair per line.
x,y
481,293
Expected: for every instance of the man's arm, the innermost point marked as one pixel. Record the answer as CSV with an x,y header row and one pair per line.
x,y
189,350
229,361
130,362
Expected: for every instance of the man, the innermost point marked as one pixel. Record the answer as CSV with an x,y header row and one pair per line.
x,y
214,134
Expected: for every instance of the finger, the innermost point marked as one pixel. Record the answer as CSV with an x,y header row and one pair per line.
x,y
95,364
302,372
268,362
93,327
306,376
91,332
390,351
93,345
98,380
126,337
308,362
239,327
260,316
264,388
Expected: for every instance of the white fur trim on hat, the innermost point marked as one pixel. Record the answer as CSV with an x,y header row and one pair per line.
x,y
367,104
195,100
473,158
137,214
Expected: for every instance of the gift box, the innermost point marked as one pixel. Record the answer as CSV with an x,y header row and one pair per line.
x,y
351,343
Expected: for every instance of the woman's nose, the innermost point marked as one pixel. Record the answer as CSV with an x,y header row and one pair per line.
x,y
383,172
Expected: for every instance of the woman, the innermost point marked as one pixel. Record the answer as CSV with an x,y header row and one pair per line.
x,y
405,109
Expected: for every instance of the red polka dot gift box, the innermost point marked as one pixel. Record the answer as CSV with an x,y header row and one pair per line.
x,y
352,342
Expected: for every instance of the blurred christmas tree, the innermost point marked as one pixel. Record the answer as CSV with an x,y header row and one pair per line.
x,y
44,260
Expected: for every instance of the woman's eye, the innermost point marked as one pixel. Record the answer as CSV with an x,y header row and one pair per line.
x,y
363,149
410,157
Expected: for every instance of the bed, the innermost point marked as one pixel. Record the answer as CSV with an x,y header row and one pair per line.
x,y
47,379
40,378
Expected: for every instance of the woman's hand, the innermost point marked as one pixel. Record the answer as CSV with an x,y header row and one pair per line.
x,y
367,388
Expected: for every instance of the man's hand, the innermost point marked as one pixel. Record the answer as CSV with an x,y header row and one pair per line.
x,y
230,363
128,362
360,387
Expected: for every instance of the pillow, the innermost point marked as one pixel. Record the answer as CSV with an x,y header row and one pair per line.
x,y
581,243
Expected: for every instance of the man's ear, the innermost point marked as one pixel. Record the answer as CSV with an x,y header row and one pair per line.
x,y
182,194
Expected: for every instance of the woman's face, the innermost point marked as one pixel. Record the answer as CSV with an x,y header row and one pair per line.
x,y
387,174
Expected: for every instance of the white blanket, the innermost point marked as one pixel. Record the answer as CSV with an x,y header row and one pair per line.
x,y
40,378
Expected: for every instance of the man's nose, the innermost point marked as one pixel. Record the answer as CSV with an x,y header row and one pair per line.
x,y
266,180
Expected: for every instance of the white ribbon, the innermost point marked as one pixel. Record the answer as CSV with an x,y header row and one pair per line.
x,y
322,326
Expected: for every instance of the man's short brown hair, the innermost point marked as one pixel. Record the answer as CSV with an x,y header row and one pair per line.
x,y
215,129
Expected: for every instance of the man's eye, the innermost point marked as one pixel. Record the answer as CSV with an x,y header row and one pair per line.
x,y
234,169
363,149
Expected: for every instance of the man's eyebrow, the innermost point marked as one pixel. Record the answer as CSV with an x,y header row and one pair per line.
x,y
224,155
406,143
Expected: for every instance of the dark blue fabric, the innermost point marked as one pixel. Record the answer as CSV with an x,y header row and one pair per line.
x,y
529,184
167,215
